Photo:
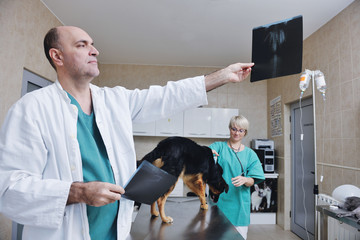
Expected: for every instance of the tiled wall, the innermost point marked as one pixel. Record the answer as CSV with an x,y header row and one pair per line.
x,y
335,50
340,137
23,26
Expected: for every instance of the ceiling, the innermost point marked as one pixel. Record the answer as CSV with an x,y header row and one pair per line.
x,y
206,33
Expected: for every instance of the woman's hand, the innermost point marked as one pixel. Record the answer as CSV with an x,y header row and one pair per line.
x,y
240,180
215,153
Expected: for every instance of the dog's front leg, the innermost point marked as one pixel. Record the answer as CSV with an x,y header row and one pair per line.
x,y
161,205
197,185
202,197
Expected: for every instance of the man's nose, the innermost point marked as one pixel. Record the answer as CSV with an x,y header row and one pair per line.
x,y
93,51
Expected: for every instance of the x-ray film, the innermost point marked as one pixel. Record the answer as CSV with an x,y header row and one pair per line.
x,y
277,49
148,183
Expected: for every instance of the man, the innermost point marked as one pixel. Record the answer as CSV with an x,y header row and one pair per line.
x,y
66,150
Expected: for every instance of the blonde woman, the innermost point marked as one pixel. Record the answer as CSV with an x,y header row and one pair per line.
x,y
242,169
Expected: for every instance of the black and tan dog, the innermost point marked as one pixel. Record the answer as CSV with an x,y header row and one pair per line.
x,y
195,164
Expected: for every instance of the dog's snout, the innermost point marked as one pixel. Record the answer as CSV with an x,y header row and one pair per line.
x,y
214,197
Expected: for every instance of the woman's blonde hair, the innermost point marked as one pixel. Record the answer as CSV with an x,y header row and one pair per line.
x,y
240,122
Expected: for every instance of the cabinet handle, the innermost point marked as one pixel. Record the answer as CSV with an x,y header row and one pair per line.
x,y
197,134
139,132
168,133
219,134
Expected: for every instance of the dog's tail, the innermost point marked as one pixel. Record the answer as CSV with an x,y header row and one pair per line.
x,y
151,156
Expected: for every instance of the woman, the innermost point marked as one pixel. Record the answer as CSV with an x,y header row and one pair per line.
x,y
242,169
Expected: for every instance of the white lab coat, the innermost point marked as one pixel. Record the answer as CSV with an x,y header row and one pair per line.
x,y
40,155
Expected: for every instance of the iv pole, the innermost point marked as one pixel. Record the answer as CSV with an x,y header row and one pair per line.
x,y
322,86
316,187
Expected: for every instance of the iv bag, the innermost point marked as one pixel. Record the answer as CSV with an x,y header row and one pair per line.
x,y
304,81
320,81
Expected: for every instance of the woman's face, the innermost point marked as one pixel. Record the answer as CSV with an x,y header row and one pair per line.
x,y
237,133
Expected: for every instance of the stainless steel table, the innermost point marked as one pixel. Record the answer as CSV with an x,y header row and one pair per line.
x,y
190,222
326,211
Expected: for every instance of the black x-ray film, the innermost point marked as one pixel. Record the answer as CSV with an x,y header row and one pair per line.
x,y
277,49
148,183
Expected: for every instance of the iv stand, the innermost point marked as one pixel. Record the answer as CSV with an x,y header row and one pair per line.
x,y
321,86
316,187
311,74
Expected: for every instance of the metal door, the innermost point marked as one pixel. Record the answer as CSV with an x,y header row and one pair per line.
x,y
30,83
303,177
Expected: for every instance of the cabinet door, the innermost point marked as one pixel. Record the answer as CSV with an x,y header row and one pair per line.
x,y
172,126
197,122
220,119
144,129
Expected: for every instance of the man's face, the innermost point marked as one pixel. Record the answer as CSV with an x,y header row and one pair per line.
x,y
78,53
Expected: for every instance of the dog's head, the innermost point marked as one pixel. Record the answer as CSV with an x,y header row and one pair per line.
x,y
217,184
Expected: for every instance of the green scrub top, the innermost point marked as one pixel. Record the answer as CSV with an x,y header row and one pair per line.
x,y
96,167
235,204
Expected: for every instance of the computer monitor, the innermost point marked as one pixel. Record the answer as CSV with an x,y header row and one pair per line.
x,y
277,49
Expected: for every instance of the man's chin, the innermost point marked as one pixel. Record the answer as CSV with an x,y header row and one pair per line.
x,y
98,73
95,73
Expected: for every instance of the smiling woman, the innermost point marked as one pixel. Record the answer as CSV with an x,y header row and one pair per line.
x,y
242,169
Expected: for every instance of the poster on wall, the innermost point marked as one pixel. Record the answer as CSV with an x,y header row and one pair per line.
x,y
275,117
264,196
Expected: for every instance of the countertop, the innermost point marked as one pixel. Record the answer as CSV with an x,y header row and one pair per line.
x,y
331,212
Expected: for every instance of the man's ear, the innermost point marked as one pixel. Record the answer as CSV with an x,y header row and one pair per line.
x,y
56,56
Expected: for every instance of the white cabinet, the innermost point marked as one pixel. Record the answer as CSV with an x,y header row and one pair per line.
x,y
144,129
171,126
220,118
197,122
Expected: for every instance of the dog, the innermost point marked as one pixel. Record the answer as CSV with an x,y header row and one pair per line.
x,y
195,164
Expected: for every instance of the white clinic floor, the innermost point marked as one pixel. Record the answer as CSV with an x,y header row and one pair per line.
x,y
269,232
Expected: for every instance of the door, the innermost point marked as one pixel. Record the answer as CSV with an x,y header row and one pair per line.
x,y
30,83
303,165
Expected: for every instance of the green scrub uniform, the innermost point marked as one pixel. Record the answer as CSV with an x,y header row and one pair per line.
x,y
96,167
236,203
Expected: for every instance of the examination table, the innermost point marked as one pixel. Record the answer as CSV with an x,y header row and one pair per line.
x,y
190,222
